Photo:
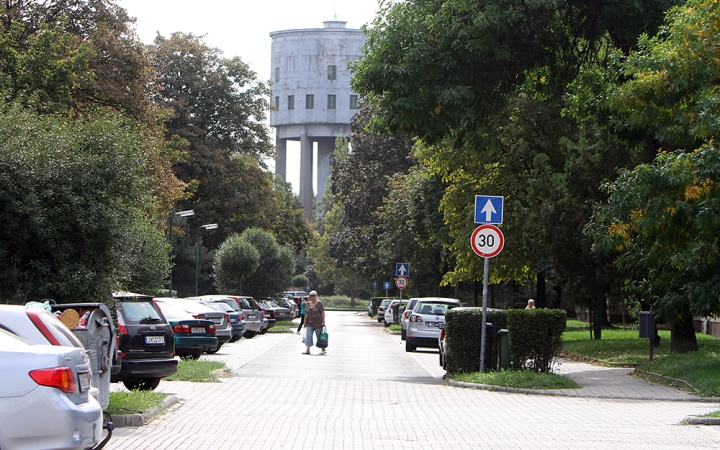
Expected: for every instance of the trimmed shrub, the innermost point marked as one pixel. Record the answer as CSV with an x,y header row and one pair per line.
x,y
463,328
535,337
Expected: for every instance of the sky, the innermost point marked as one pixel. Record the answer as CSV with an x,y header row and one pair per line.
x,y
242,28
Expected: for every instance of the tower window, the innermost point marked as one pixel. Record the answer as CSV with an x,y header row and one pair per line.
x,y
277,102
291,102
277,74
331,101
353,102
309,101
332,72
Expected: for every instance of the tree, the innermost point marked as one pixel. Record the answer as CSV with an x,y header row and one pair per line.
x,y
662,217
76,205
218,110
235,261
272,273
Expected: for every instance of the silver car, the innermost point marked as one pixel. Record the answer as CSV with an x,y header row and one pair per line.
x,y
424,321
45,399
253,318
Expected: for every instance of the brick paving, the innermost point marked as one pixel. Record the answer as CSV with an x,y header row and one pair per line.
x,y
368,393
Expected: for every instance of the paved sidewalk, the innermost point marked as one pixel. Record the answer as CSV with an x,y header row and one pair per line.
x,y
369,394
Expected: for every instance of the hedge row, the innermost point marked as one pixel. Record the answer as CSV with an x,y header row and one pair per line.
x,y
534,338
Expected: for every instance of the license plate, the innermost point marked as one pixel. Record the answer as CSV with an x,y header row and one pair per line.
x,y
431,324
252,316
197,330
217,321
84,379
154,339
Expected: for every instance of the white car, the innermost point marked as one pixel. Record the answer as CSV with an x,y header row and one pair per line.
x,y
389,316
405,315
45,399
423,321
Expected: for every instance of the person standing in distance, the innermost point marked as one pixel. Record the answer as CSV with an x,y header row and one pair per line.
x,y
531,304
314,321
303,302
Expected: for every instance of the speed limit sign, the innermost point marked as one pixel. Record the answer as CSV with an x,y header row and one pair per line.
x,y
401,282
487,241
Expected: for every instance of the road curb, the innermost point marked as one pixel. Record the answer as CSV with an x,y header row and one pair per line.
x,y
141,419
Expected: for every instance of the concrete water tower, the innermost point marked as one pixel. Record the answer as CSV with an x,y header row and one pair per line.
x,y
312,97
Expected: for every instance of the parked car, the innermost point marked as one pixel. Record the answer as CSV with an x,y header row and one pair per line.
x,y
381,309
290,304
389,316
93,331
441,345
147,342
193,336
45,399
423,321
229,306
405,315
268,320
276,311
253,319
198,310
370,309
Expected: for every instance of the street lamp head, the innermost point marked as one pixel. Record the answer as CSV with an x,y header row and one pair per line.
x,y
210,226
189,212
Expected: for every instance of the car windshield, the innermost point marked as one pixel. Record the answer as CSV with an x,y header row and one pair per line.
x,y
433,308
140,312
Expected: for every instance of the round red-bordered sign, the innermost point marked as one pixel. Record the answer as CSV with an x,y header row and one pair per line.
x,y
401,282
487,241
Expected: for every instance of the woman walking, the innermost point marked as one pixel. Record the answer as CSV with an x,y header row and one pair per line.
x,y
303,301
314,321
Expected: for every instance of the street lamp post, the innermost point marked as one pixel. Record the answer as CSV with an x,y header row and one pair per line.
x,y
186,213
209,226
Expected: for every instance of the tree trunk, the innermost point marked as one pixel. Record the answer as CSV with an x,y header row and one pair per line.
x,y
682,336
352,298
541,298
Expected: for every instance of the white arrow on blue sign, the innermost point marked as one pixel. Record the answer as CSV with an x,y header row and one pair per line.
x,y
488,209
402,269
386,285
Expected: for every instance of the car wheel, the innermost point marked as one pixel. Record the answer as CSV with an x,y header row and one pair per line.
x,y
215,350
379,320
409,347
263,331
441,357
403,334
142,384
235,338
249,334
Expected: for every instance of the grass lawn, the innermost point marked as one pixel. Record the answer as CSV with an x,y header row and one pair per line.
x,y
517,379
134,402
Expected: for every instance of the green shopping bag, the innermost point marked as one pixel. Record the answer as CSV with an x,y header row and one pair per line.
x,y
322,341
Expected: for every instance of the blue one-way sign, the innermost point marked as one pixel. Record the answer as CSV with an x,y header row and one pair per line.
x,y
402,269
386,285
488,209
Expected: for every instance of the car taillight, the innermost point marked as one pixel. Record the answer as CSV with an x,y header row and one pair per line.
x,y
242,316
211,329
406,314
59,377
227,317
181,328
415,318
442,335
380,308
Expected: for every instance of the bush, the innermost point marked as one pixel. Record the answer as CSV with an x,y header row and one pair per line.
x,y
535,337
463,335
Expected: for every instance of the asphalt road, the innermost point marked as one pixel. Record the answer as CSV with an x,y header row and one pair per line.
x,y
368,393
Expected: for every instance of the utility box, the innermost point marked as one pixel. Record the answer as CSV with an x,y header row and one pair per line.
x,y
94,327
647,325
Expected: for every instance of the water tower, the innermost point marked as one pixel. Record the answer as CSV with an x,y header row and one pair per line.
x,y
312,97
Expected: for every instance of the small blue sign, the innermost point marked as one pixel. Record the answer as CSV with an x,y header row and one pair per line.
x,y
386,285
402,269
488,209
374,284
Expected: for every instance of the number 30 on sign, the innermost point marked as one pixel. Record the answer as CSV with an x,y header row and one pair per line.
x,y
487,241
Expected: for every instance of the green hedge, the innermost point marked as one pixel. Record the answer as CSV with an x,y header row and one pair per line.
x,y
463,334
535,337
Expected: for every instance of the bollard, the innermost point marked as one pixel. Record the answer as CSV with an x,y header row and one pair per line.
x,y
503,349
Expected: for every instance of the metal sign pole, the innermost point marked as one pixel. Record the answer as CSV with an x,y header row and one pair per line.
x,y
486,276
